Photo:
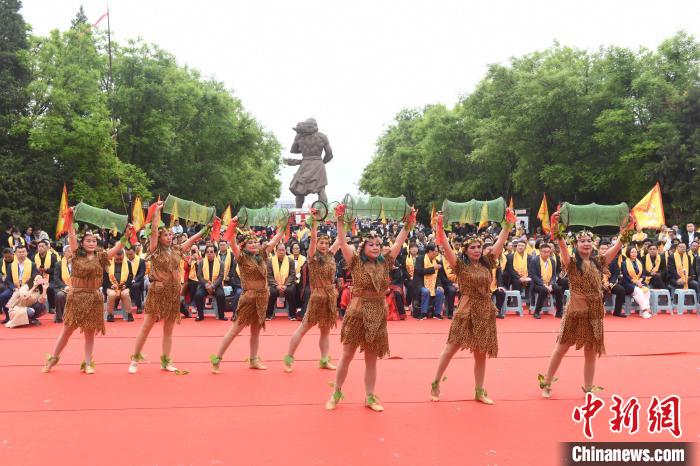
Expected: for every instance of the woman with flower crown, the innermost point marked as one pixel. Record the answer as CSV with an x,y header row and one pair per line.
x,y
474,323
582,324
252,304
364,325
84,303
322,308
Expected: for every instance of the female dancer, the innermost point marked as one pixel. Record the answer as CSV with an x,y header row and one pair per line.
x,y
163,298
364,324
474,322
321,310
582,324
252,305
84,303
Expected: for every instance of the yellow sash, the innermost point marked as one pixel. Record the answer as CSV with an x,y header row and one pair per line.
x,y
301,233
451,275
546,268
46,263
651,267
494,283
205,269
410,266
11,241
135,264
65,274
520,264
301,260
123,274
193,270
682,267
227,263
430,280
634,276
281,273
502,261
529,250
26,273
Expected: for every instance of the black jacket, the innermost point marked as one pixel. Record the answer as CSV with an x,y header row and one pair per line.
x,y
535,272
216,281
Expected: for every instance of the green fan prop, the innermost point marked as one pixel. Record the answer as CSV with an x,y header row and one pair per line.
x,y
471,212
321,210
101,218
375,207
188,210
263,217
594,215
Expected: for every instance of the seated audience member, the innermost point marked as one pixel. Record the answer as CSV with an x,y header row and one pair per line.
x,y
680,269
448,278
28,304
16,273
138,268
210,275
281,276
61,282
611,277
544,276
45,262
655,267
517,268
427,281
633,280
116,284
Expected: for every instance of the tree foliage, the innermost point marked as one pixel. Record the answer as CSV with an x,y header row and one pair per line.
x,y
158,128
583,127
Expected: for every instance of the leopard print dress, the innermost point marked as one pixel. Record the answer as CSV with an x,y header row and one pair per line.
x,y
252,305
474,323
85,306
163,298
322,309
364,324
582,324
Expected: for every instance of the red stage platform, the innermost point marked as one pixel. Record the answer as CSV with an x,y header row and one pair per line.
x,y
245,417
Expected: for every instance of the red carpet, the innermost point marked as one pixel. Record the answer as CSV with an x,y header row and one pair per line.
x,y
246,417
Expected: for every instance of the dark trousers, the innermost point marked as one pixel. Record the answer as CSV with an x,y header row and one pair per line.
x,y
500,300
136,293
192,286
51,296
542,293
35,311
202,293
517,285
400,306
60,306
306,295
5,296
619,292
450,294
563,283
290,293
657,283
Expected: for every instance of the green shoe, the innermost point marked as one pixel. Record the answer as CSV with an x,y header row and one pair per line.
x,y
288,361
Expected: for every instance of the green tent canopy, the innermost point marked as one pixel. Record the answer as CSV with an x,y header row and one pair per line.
x,y
594,215
101,218
471,211
263,217
188,210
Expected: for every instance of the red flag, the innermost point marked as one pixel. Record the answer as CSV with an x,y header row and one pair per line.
x,y
151,212
216,229
100,20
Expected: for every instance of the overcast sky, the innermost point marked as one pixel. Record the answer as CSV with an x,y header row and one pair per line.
x,y
354,64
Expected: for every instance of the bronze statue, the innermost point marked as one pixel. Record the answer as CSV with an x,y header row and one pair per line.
x,y
311,175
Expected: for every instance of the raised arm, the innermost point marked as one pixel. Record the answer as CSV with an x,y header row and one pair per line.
x,y
273,242
502,238
441,238
348,251
314,237
193,239
563,249
119,245
155,224
403,235
72,237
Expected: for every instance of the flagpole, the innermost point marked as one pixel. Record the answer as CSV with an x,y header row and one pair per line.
x,y
109,48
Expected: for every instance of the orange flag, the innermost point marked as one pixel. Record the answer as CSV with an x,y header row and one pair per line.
x,y
511,206
62,207
484,220
137,215
649,212
226,216
433,216
543,215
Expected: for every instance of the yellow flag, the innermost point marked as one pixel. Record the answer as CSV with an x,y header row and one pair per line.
x,y
511,206
649,212
382,216
433,218
543,215
62,207
173,215
226,216
484,216
137,215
